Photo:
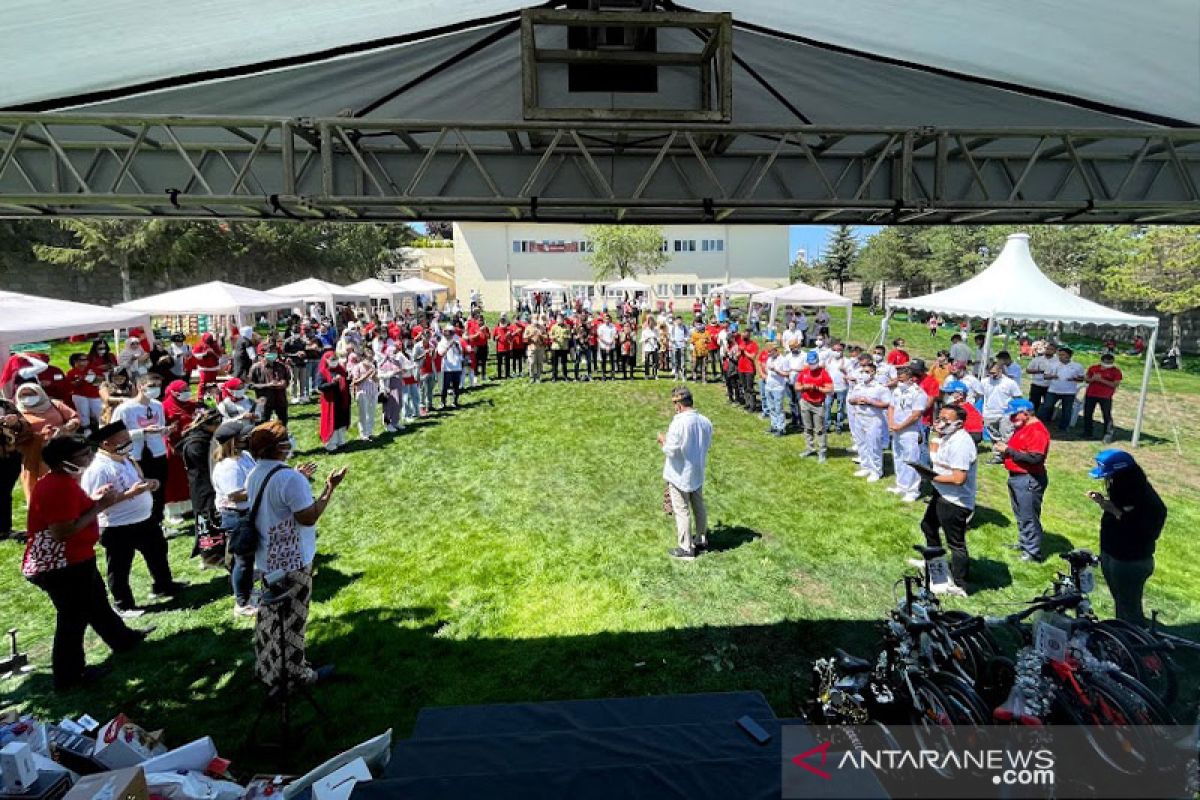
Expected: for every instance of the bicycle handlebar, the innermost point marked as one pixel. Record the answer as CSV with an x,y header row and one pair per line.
x,y
1069,600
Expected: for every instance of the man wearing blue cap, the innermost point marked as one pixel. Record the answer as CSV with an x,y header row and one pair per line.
x,y
814,383
1024,455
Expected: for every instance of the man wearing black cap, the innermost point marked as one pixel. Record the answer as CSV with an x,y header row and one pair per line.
x,y
128,526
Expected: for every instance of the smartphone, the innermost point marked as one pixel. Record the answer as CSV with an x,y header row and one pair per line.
x,y
756,731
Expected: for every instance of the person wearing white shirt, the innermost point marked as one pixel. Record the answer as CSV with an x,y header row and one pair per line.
x,y
1039,381
958,372
229,473
836,366
998,389
1064,377
606,341
822,322
129,526
791,336
450,348
649,342
795,361
685,445
904,422
146,422
286,520
869,401
953,455
960,350
1011,368
679,343
775,383
885,373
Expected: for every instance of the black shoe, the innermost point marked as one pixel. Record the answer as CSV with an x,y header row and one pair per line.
x,y
89,676
173,589
701,544
682,555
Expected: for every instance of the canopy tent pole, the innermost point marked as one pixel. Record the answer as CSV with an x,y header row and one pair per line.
x,y
1137,424
774,310
849,316
883,326
1007,333
981,367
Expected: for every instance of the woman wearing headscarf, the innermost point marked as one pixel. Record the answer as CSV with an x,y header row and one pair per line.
x,y
391,382
234,404
14,431
118,388
335,401
179,408
60,559
195,450
46,419
134,358
1133,519
365,389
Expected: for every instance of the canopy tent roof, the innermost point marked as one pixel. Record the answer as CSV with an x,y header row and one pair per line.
x,y
543,285
1032,61
738,287
375,288
420,286
1014,289
27,318
317,290
214,297
629,285
801,294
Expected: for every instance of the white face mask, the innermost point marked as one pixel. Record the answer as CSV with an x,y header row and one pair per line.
x,y
184,397
238,394
333,362
71,469
28,400
153,392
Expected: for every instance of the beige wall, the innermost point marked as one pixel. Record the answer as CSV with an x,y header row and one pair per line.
x,y
484,258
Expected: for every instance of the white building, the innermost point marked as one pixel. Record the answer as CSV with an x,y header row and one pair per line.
x,y
500,258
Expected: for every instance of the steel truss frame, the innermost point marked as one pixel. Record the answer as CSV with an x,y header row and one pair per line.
x,y
359,170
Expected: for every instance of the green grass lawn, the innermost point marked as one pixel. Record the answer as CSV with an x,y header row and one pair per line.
x,y
516,550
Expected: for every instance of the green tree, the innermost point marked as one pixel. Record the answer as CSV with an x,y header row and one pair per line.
x,y
1162,268
841,257
622,251
128,245
896,256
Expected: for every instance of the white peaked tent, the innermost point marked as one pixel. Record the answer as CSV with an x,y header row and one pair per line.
x,y
801,294
315,290
378,290
1013,289
629,285
26,318
737,287
216,298
420,286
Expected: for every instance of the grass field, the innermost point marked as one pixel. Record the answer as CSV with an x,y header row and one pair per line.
x,y
516,550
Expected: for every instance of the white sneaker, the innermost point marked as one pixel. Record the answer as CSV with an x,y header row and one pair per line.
x,y
950,590
874,476
862,473
853,448
895,489
911,497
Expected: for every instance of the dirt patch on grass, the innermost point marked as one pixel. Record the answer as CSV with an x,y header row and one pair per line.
x,y
814,591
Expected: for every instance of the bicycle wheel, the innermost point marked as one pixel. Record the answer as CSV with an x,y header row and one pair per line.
x,y
1114,720
1152,664
979,647
966,706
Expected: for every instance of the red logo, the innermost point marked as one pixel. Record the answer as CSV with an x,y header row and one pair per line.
x,y
802,760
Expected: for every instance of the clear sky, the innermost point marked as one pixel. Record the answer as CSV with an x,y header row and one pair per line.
x,y
814,237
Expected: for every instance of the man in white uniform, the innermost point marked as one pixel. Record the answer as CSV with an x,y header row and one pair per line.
x,y
869,402
904,422
1065,377
998,389
953,455
685,445
1038,381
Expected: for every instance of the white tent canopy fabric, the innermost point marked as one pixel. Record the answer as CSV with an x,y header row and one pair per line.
x,y
629,285
802,294
317,290
543,285
1044,50
737,287
1014,289
27,318
420,286
377,289
216,298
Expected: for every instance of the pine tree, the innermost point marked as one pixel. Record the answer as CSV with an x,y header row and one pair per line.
x,y
841,257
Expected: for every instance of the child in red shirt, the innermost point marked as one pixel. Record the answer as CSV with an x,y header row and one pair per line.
x,y
1102,381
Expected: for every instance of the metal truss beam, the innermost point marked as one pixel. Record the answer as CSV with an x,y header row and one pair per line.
x,y
383,170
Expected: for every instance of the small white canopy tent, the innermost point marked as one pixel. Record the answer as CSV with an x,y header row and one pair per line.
x,y
1013,289
543,285
420,286
378,290
737,287
215,298
628,285
801,294
27,318
315,290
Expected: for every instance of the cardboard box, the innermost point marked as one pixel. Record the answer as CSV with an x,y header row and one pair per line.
x,y
122,743
121,784
17,772
74,751
48,786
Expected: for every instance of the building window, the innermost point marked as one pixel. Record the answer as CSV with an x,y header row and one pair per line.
x,y
683,289
712,245
685,245
706,288
665,246
662,289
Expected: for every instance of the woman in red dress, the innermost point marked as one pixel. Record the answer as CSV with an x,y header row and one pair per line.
x,y
335,401
208,360
179,408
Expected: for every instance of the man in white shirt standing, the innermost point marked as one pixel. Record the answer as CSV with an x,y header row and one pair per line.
x,y
998,389
822,322
147,425
791,336
679,342
836,365
606,338
904,423
1038,381
685,446
774,387
953,455
869,401
128,527
1064,378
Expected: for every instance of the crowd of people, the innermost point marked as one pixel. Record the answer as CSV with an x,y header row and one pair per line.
x,y
114,451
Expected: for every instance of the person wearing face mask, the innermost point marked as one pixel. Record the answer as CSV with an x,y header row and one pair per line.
x,y
60,559
232,466
100,358
904,423
836,366
46,419
208,358
195,450
814,384
953,456
1064,377
145,420
869,401
998,391
364,388
128,526
286,521
84,383
243,352
269,378
1024,455
116,389
234,404
181,356
134,358
885,372
179,407
955,394
335,401
391,385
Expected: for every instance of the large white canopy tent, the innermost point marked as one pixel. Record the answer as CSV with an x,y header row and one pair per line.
x,y
420,286
27,318
737,288
628,285
378,290
315,290
1013,289
802,294
215,298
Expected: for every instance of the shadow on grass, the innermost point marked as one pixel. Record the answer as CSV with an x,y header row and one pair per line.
x,y
985,515
987,573
723,537
1054,543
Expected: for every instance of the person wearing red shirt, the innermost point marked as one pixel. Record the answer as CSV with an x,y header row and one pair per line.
x,y
1102,381
814,383
208,359
60,559
483,335
1024,457
714,345
747,353
517,347
83,382
956,395
503,347
898,355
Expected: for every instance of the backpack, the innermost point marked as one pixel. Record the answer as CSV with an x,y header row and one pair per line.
x,y
244,539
